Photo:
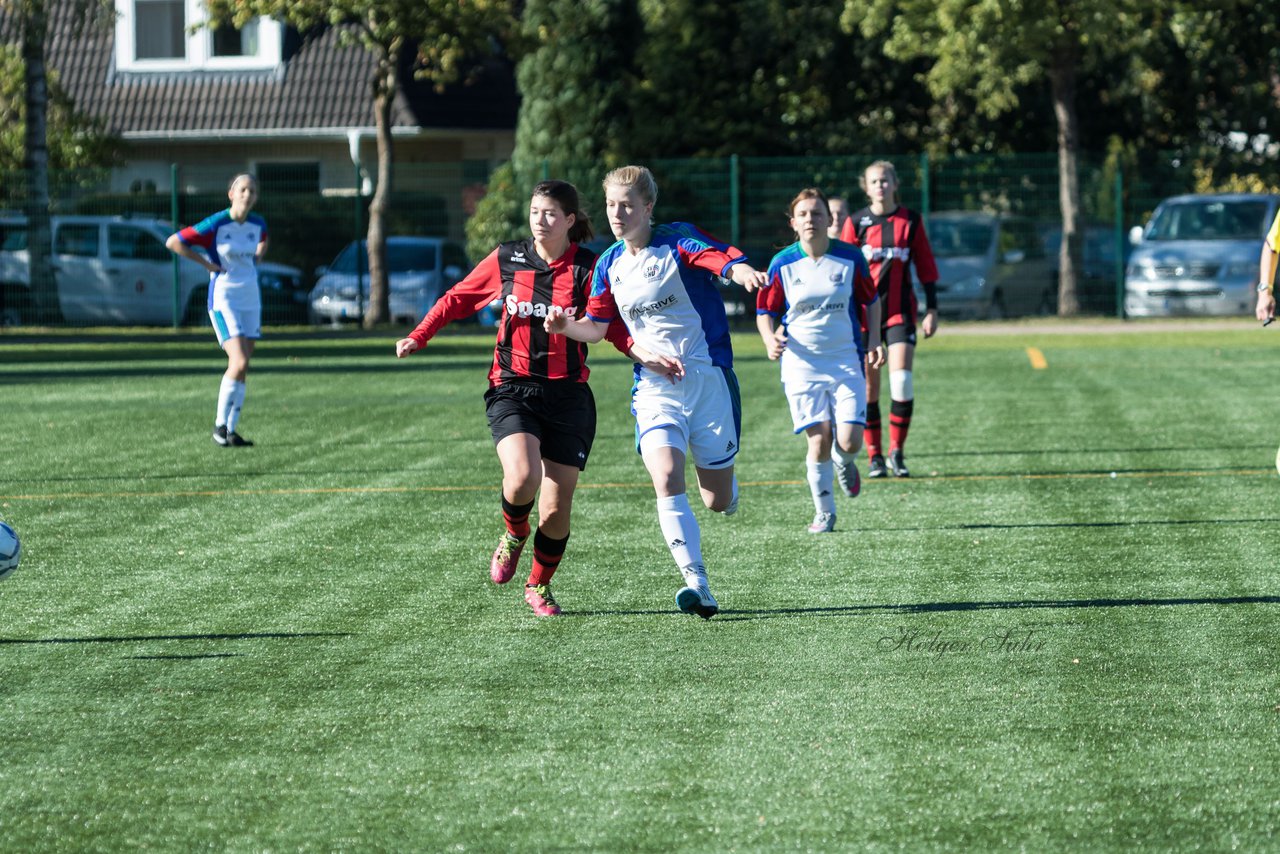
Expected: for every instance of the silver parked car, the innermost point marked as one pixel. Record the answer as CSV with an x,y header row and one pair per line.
x,y
991,266
1199,255
419,270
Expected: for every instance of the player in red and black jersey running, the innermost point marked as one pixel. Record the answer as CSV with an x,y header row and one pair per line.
x,y
893,238
541,411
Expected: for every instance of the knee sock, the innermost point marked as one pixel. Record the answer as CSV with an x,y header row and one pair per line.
x,y
871,433
899,422
225,391
517,518
237,403
547,553
821,485
680,528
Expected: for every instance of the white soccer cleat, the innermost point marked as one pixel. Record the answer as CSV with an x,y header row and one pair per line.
x,y
695,597
823,523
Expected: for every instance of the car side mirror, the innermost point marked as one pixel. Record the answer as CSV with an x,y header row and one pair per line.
x,y
1014,256
1135,235
321,270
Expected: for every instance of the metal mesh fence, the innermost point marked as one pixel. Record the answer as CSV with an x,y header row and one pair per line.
x,y
105,278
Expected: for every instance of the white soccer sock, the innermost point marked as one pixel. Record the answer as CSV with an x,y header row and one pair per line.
x,y
822,485
680,528
237,402
225,392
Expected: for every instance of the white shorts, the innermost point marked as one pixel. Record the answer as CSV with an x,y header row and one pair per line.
x,y
242,323
703,412
813,402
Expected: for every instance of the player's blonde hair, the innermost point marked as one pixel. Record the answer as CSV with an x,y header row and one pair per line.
x,y
888,168
638,177
235,178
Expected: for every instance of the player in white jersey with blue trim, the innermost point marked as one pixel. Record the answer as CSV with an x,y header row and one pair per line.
x,y
660,281
235,241
809,316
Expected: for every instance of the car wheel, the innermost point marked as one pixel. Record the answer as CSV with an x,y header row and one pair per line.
x,y
996,311
1048,303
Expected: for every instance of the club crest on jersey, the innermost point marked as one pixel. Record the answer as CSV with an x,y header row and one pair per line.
x,y
651,271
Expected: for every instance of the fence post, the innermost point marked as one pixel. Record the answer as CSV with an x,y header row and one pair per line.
x,y
924,187
1120,241
734,202
359,221
177,268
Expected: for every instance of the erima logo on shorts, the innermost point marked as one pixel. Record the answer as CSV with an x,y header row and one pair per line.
x,y
516,308
639,310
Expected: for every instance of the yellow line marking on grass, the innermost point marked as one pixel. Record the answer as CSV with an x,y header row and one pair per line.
x,y
403,490
1037,358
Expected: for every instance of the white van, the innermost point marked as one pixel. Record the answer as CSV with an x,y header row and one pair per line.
x,y
1199,256
116,270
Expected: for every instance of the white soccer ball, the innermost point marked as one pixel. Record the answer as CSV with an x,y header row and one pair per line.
x,y
10,550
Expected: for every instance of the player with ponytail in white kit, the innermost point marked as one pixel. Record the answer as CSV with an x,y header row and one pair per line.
x,y
659,280
809,316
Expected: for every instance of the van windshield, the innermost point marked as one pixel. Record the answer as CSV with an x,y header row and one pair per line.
x,y
1209,219
950,238
401,258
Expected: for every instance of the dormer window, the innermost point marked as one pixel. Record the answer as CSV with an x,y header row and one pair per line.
x,y
158,35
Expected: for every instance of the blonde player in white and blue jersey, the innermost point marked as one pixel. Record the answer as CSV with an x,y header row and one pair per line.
x,y
235,240
659,279
809,315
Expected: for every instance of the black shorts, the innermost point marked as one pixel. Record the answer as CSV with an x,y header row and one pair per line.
x,y
560,413
902,333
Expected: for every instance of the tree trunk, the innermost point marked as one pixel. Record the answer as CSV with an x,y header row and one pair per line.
x,y
44,288
384,92
1063,76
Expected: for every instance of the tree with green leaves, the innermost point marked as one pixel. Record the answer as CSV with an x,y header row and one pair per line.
x,y
441,36
574,78
987,49
33,20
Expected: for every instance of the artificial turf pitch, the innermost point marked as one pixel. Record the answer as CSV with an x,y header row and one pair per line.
x,y
1059,634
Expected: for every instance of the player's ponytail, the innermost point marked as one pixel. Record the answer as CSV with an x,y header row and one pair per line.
x,y
565,195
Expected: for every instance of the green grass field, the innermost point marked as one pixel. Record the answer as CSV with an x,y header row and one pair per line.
x,y
1061,634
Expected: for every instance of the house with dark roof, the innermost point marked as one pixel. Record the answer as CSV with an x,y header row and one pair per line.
x,y
297,112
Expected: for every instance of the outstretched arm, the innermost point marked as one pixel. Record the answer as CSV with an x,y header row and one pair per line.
x,y
747,276
583,329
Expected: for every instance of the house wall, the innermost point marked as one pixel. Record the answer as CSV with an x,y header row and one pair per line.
x,y
450,170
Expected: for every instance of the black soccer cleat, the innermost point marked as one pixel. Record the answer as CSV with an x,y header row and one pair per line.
x,y
220,435
898,464
877,468
235,440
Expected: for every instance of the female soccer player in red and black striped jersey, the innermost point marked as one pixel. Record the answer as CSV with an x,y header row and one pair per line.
x,y
893,238
541,411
